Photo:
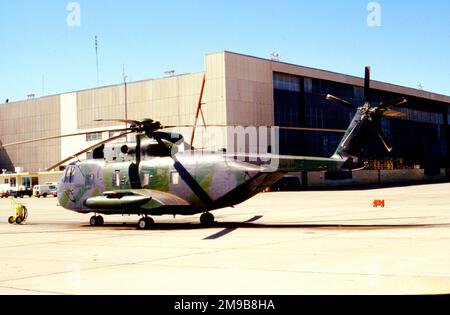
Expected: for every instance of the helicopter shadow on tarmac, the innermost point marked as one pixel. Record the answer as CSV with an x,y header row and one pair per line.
x,y
229,227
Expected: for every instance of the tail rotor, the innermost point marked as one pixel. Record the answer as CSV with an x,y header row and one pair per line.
x,y
368,115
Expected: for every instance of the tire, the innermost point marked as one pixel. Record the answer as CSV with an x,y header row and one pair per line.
x,y
150,222
11,220
207,219
45,195
100,221
142,224
93,221
25,213
19,220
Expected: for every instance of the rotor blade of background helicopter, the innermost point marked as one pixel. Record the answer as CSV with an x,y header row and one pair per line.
x,y
87,150
63,136
367,91
393,103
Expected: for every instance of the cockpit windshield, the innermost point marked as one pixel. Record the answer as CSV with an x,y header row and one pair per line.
x,y
69,175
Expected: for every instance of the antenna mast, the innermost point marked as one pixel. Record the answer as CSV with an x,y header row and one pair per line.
x,y
126,95
96,55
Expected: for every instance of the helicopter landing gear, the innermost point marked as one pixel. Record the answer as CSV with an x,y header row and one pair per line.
x,y
97,221
207,219
145,223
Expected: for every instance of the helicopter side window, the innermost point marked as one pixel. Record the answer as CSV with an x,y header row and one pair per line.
x,y
116,179
89,180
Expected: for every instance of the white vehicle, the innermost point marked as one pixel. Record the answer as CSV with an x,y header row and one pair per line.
x,y
45,190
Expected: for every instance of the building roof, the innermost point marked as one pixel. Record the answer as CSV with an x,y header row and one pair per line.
x,y
279,66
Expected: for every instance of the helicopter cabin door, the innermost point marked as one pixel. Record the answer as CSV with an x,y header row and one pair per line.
x,y
124,176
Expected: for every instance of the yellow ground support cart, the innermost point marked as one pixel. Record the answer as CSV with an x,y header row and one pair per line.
x,y
20,212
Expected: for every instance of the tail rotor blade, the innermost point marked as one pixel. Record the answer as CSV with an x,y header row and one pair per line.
x,y
339,100
382,137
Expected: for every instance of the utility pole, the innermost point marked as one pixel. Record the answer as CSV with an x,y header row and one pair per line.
x,y
96,56
126,95
43,85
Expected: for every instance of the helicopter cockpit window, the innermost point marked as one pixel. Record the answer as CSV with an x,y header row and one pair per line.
x,y
69,176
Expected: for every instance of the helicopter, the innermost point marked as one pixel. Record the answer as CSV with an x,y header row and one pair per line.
x,y
160,174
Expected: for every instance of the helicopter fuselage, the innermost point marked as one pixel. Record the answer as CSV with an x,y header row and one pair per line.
x,y
204,182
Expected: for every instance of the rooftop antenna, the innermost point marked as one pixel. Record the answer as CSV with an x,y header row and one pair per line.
x,y
275,56
43,85
170,73
96,55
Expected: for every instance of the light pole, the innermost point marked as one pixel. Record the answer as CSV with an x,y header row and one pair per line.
x,y
126,96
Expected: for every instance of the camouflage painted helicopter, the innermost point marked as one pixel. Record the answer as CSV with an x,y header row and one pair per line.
x,y
159,175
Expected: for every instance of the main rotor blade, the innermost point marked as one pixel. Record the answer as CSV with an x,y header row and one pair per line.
x,y
339,100
60,137
312,129
87,150
177,126
281,127
393,103
125,121
367,92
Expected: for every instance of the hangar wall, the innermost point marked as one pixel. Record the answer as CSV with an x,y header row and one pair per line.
x,y
26,120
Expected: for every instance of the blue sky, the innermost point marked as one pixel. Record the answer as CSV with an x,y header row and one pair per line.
x,y
411,46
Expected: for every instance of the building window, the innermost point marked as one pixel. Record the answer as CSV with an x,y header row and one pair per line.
x,y
308,85
286,82
94,137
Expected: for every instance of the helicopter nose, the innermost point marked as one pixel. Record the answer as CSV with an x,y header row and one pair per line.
x,y
61,189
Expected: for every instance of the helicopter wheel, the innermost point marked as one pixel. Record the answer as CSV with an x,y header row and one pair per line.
x,y
100,221
145,223
207,219
97,221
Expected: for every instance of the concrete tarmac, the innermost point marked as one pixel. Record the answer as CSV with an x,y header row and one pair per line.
x,y
327,242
